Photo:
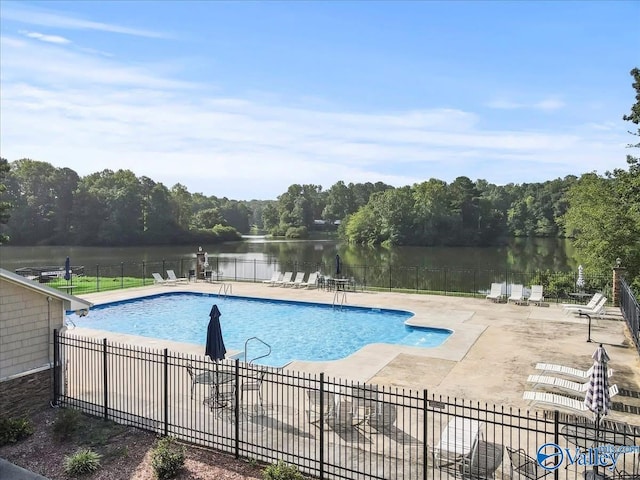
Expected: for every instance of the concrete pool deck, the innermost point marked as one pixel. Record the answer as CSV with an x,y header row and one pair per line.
x,y
493,349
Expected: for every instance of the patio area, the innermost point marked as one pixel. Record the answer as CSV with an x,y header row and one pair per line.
x,y
506,340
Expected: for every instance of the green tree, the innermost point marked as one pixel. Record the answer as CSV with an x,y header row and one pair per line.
x,y
604,212
5,207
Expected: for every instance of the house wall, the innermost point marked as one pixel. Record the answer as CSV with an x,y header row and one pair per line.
x,y
27,321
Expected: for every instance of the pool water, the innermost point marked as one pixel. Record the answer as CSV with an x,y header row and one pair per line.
x,y
294,330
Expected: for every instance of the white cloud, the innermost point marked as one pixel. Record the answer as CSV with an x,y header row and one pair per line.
x,y
86,112
46,38
31,16
547,104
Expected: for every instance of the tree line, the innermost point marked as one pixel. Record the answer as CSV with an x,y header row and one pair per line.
x,y
44,205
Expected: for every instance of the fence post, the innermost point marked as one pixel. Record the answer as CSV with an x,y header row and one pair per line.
x,y
97,278
255,278
56,367
105,378
236,410
425,426
556,437
417,281
321,425
143,273
121,274
166,392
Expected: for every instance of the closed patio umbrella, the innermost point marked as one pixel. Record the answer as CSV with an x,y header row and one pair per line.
x,y
338,265
597,399
580,280
67,269
215,348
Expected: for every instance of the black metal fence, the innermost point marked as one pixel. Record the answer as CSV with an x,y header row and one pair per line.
x,y
330,428
448,281
630,311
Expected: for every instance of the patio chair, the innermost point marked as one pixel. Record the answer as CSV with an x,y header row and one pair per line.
x,y
592,303
525,467
517,294
568,386
158,280
171,275
562,402
496,292
295,283
536,296
383,416
483,462
284,281
599,310
567,371
312,281
457,441
314,413
275,278
205,378
253,383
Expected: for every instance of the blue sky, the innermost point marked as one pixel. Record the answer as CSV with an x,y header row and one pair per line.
x,y
242,99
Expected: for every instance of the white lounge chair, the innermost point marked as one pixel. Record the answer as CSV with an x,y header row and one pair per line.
x,y
592,303
297,281
561,402
286,278
496,292
275,278
171,275
158,280
598,310
559,383
536,295
312,281
568,371
457,441
517,294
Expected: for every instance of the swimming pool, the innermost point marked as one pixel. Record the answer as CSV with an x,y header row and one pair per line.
x,y
294,330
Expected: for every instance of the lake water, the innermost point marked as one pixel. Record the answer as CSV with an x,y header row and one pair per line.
x,y
523,255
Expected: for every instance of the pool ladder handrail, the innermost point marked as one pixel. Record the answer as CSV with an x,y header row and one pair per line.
x,y
261,356
339,298
225,289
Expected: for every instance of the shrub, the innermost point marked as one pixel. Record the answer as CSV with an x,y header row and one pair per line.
x,y
13,430
282,471
167,458
297,233
83,461
66,424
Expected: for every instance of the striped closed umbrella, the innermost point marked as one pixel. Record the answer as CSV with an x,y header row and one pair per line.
x,y
597,399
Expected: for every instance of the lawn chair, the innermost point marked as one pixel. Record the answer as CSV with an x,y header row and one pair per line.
x,y
517,294
536,296
525,467
496,292
171,275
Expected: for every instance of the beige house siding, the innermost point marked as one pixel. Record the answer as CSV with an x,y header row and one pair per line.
x,y
27,321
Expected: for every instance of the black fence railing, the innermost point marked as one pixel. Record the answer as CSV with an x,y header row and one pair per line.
x,y
557,286
630,311
330,428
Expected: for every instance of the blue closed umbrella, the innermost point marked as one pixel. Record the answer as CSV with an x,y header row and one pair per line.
x,y
215,344
67,269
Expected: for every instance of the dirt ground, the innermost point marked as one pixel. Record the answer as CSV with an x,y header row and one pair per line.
x,y
126,452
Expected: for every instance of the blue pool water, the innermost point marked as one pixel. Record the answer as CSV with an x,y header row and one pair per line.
x,y
295,330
